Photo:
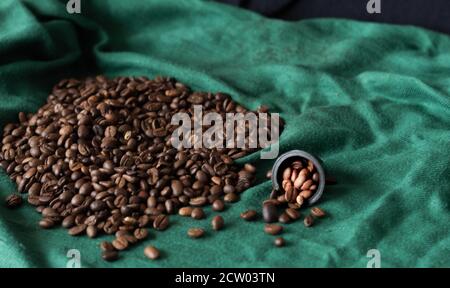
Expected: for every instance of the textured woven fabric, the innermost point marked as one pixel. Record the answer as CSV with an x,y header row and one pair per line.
x,y
371,100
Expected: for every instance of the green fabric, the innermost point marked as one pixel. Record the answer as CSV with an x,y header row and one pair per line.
x,y
371,100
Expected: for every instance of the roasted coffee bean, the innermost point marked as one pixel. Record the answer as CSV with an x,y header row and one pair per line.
x,y
250,168
198,213
77,230
284,218
106,246
306,194
140,233
68,221
151,252
110,255
300,200
198,201
292,213
195,232
13,201
91,231
317,212
270,213
161,222
287,173
120,243
308,221
46,223
218,205
231,197
249,215
279,242
217,222
273,229
185,211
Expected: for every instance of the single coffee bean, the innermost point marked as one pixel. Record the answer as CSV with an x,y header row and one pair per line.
x,y
13,201
231,197
110,255
273,229
306,194
249,215
315,177
120,243
300,200
185,211
317,212
307,185
140,233
195,232
308,221
270,213
279,242
77,230
292,213
151,252
217,222
91,231
284,218
198,213
68,221
106,246
161,222
249,168
287,173
218,205
198,201
46,223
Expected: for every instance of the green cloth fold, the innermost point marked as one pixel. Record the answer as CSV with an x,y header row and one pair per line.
x,y
371,100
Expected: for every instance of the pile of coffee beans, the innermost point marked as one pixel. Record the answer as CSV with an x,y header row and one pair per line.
x,y
97,158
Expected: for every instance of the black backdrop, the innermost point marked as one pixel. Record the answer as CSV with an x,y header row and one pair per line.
x,y
431,14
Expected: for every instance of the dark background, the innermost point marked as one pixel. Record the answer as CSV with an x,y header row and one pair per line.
x,y
431,14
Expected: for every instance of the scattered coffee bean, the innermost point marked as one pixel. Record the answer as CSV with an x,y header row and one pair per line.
x,y
106,246
120,243
317,212
140,233
46,223
308,221
77,230
110,255
249,215
185,211
91,231
198,213
13,201
217,222
270,213
292,213
273,229
161,222
231,197
218,205
196,232
284,218
151,252
279,242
